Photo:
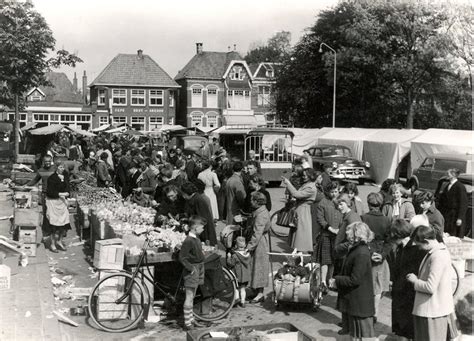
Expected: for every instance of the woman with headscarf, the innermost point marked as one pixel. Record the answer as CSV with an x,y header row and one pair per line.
x,y
305,196
379,247
258,245
57,207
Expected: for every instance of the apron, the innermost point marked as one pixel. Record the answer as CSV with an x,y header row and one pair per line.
x,y
57,211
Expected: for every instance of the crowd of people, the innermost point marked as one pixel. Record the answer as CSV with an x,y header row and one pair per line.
x,y
359,252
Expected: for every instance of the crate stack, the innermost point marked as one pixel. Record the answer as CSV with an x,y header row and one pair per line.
x,y
26,219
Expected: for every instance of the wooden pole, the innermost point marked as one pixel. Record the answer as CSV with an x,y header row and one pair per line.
x,y
17,129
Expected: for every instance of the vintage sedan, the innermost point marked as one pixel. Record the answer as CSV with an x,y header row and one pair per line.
x,y
344,166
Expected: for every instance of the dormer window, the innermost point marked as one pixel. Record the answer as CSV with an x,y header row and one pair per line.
x,y
237,73
36,96
269,73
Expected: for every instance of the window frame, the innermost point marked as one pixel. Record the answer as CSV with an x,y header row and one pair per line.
x,y
153,95
138,94
194,97
193,116
114,96
102,121
100,98
216,96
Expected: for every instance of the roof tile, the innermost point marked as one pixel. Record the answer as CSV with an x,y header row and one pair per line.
x,y
208,65
129,69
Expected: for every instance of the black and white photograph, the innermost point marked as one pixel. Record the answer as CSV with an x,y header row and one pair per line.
x,y
252,170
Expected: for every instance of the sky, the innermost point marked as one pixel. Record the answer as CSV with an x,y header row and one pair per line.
x,y
98,30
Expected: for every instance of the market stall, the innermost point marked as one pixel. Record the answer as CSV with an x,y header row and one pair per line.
x,y
352,138
435,141
306,138
386,149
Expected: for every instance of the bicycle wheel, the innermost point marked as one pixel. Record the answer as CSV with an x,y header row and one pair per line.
x,y
117,303
277,230
218,306
454,279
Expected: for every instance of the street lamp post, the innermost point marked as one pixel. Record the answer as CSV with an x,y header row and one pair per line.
x,y
334,90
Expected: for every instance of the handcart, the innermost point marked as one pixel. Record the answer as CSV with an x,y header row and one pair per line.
x,y
289,290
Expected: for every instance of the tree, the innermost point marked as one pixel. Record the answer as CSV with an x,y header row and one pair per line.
x,y
391,64
26,41
275,50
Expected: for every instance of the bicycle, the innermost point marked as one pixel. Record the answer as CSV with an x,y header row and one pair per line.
x,y
121,301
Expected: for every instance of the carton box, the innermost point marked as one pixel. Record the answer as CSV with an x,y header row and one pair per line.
x,y
109,254
29,249
26,217
5,275
27,234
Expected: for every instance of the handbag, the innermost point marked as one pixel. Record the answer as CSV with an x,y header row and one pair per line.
x,y
287,217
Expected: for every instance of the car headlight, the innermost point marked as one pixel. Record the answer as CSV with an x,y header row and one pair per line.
x,y
334,164
367,164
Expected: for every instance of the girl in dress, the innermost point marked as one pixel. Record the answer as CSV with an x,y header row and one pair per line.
x,y
212,186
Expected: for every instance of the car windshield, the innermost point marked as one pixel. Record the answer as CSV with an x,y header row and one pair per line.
x,y
336,151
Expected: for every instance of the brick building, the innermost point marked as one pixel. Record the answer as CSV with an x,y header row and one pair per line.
x,y
60,103
216,89
263,86
135,90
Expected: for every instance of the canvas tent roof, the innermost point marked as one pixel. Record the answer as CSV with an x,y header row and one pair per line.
x,y
436,141
47,130
306,138
352,138
385,149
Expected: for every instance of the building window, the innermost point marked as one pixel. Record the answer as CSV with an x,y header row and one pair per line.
x,y
196,98
170,120
103,120
171,99
263,96
101,100
36,98
83,118
156,97
138,122
212,121
238,99
156,122
137,97
41,117
212,97
269,72
196,119
119,119
119,96
237,73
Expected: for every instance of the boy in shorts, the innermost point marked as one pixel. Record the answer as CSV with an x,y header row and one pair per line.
x,y
192,258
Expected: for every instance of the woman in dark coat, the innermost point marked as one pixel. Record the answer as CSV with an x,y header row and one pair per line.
x,y
407,259
436,220
319,196
379,246
199,204
57,207
355,297
256,184
172,205
328,219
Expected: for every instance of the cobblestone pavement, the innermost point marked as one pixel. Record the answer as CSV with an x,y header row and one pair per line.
x,y
32,291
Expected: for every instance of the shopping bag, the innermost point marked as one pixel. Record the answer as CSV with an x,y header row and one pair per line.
x,y
287,217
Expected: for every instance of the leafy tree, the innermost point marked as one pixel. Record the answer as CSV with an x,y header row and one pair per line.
x,y
275,50
391,64
25,40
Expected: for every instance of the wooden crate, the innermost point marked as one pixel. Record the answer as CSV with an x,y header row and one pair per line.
x,y
27,234
29,249
27,217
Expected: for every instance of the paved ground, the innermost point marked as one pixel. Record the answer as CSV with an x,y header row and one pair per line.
x,y
33,292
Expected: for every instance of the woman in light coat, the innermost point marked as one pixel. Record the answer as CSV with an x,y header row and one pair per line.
x,y
212,186
434,307
305,196
258,245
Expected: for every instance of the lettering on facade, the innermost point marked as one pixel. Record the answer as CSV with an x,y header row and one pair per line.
x,y
119,110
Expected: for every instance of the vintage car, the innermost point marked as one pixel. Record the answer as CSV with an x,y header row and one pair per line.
x,y
434,168
344,166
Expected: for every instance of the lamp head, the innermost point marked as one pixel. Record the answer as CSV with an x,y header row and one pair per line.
x,y
320,49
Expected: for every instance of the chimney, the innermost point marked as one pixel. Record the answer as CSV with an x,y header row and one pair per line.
x,y
74,82
235,47
140,54
198,48
84,87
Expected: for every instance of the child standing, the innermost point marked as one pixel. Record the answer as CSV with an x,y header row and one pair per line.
x,y
239,262
192,258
